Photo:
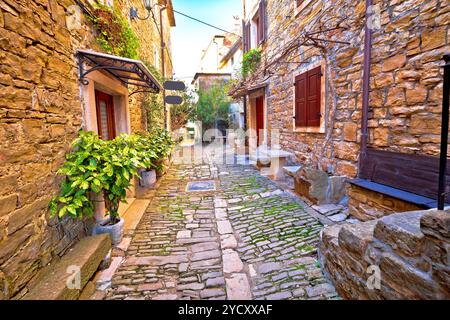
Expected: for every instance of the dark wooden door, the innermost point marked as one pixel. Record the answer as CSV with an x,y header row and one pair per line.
x,y
105,115
259,118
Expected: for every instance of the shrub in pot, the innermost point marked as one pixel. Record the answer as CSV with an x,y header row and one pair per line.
x,y
148,158
101,167
161,142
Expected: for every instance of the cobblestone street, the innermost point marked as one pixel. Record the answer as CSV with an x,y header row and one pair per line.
x,y
247,239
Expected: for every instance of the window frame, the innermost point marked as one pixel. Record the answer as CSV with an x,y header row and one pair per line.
x,y
323,100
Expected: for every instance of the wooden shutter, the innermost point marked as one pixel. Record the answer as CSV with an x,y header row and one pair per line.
x,y
244,37
262,22
313,97
308,98
249,36
300,101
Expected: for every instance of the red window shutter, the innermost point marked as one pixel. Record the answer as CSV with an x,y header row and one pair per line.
x,y
313,85
300,100
299,2
262,22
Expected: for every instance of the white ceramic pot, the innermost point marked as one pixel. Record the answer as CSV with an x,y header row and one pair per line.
x,y
148,179
115,231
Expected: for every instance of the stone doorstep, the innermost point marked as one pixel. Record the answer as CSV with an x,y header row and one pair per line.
x,y
86,254
134,213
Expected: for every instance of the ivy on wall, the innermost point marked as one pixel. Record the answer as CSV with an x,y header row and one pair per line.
x,y
250,62
115,33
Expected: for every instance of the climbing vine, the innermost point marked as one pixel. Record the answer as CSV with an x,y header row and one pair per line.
x,y
250,62
115,33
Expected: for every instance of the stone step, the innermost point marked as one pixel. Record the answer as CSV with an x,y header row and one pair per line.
x,y
83,260
134,213
123,207
292,171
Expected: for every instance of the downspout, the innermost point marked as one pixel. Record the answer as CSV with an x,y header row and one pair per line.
x,y
163,67
366,85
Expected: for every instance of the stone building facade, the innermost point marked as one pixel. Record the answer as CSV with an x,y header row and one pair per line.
x,y
409,39
42,107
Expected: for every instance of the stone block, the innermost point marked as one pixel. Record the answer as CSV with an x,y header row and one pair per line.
x,y
238,287
11,244
402,232
26,214
313,184
8,204
231,262
86,255
441,274
355,238
436,224
394,62
408,282
337,189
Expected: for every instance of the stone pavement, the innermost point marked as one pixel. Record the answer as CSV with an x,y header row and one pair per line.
x,y
245,240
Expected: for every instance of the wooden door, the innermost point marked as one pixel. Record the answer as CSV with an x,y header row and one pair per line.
x,y
260,119
105,115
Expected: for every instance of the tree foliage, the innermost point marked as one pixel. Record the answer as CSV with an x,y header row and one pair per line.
x,y
181,114
213,104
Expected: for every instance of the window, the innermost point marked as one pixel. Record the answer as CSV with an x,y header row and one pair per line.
x,y
308,98
254,32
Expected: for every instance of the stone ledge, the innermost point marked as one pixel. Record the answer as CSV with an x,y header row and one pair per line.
x,y
410,249
401,232
87,255
406,196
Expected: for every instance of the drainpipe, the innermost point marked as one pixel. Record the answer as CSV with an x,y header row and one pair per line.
x,y
163,67
444,135
366,85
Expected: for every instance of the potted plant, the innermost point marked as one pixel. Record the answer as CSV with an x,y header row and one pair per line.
x,y
160,141
148,157
121,161
101,168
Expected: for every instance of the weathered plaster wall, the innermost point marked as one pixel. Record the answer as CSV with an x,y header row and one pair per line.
x,y
40,115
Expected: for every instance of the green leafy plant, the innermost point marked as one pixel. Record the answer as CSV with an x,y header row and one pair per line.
x,y
250,61
96,166
213,104
115,33
181,114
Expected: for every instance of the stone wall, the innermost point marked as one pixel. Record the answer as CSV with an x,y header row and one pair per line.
x,y
40,115
408,253
368,205
406,84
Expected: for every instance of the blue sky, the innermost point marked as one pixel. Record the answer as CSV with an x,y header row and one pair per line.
x,y
189,38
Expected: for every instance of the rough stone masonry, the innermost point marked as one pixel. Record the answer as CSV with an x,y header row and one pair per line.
x,y
40,115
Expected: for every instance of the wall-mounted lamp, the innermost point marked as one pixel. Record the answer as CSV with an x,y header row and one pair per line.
x,y
134,11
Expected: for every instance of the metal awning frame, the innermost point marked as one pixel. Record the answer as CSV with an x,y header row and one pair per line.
x,y
116,67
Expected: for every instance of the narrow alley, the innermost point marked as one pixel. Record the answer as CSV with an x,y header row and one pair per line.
x,y
247,239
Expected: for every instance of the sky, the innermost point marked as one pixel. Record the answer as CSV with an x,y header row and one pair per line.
x,y
189,37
